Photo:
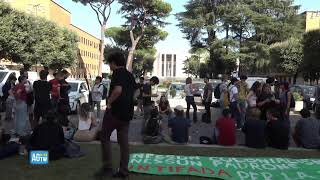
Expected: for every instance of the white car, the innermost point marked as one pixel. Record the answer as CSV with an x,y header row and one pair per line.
x,y
79,93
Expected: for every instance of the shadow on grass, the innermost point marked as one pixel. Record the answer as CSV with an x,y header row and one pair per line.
x,y
18,168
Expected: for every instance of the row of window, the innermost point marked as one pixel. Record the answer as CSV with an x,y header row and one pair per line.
x,y
89,54
88,42
88,66
171,65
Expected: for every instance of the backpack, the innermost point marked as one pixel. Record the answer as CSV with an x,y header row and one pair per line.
x,y
217,93
105,92
153,126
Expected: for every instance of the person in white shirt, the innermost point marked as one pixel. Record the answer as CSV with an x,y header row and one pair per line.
x,y
234,104
88,126
188,89
97,93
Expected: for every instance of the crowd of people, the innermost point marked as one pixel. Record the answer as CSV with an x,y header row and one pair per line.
x,y
37,115
261,112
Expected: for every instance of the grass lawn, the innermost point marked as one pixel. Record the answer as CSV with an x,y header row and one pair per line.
x,y
18,168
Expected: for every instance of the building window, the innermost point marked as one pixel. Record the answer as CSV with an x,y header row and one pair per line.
x,y
162,65
174,65
169,64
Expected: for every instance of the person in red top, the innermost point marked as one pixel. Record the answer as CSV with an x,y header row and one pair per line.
x,y
226,129
55,90
21,109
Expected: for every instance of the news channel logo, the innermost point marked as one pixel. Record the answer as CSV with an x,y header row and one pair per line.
x,y
39,157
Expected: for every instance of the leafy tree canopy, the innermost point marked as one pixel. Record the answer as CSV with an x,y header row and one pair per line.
x,y
33,40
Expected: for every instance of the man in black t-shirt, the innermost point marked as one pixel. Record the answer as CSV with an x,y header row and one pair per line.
x,y
147,102
41,89
63,105
118,114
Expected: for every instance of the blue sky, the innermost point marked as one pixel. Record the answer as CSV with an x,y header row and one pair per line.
x,y
85,18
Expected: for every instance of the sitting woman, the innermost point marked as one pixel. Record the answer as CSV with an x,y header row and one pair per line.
x,y
48,136
88,127
255,129
164,107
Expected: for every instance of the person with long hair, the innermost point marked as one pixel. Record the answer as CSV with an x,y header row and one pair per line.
x,y
21,108
88,126
188,89
266,101
253,94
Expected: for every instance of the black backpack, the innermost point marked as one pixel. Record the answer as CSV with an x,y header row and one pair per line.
x,y
153,126
217,93
105,92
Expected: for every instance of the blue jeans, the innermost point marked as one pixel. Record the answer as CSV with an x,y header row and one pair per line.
x,y
21,116
236,114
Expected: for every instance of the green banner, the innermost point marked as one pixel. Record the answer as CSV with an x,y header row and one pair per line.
x,y
228,168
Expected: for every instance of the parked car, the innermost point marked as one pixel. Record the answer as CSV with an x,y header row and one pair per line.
x,y
308,93
79,93
176,94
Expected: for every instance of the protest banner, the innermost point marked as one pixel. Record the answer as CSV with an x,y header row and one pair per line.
x,y
228,168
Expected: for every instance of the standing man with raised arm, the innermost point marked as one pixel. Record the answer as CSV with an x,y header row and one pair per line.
x,y
118,114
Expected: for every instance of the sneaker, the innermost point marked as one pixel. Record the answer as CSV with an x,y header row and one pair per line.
x,y
103,172
120,175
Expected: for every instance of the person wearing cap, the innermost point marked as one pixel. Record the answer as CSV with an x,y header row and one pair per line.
x,y
234,102
179,127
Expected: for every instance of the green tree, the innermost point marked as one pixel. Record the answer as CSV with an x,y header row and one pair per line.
x,y
102,8
32,40
145,53
287,57
141,15
311,54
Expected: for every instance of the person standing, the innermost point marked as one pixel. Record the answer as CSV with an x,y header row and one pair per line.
x,y
64,106
30,95
147,103
21,109
41,89
234,102
188,89
119,112
8,97
207,99
253,94
223,89
243,92
55,90
286,100
97,93
140,96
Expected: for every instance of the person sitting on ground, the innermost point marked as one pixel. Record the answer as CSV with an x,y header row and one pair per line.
x,y
179,127
48,136
254,129
88,127
277,130
307,130
7,148
164,106
153,127
225,130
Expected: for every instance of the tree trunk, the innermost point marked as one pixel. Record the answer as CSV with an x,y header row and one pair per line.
x,y
101,58
295,78
130,56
